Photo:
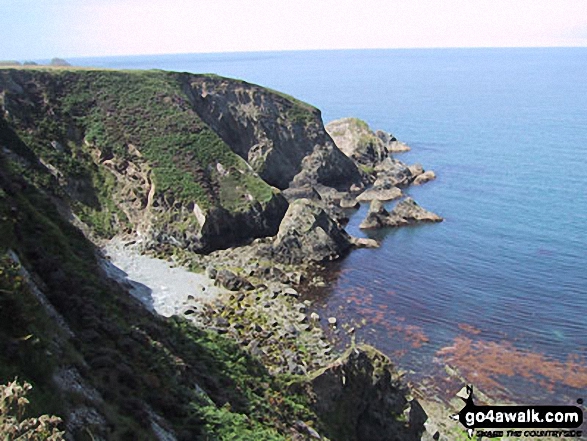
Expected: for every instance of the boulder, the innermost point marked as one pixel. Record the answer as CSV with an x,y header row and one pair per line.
x,y
416,169
231,281
349,202
364,242
361,397
411,212
307,233
424,177
381,194
394,172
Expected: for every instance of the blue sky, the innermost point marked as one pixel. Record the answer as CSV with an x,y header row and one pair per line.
x,y
36,29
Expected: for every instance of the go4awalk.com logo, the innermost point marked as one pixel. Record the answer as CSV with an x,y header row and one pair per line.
x,y
519,421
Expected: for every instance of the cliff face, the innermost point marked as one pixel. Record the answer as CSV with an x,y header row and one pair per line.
x,y
282,138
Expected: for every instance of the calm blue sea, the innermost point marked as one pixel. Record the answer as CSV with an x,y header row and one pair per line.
x,y
502,282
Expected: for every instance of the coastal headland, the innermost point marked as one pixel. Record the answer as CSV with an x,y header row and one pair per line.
x,y
158,230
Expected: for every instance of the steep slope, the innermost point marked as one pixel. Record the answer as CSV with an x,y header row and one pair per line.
x,y
282,138
99,360
128,151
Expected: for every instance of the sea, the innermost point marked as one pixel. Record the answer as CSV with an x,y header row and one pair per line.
x,y
496,295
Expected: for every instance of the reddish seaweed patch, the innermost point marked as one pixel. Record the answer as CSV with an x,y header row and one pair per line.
x,y
483,363
469,329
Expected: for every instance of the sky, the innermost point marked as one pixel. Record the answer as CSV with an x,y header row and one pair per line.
x,y
41,29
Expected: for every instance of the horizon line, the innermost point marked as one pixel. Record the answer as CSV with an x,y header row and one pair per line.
x,y
293,50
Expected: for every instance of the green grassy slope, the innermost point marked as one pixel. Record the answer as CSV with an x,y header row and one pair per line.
x,y
136,361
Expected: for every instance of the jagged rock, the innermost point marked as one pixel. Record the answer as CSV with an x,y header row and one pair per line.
x,y
381,194
349,202
379,217
364,242
281,138
394,173
231,281
404,213
361,397
304,192
391,142
416,169
410,211
211,272
357,141
424,177
308,233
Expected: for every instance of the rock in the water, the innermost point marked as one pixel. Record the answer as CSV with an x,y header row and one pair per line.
x,y
364,242
405,212
379,217
332,321
394,173
416,169
410,211
424,177
361,397
308,233
231,281
381,194
391,142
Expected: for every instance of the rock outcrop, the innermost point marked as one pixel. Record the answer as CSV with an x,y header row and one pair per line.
x,y
380,194
357,141
410,211
307,233
283,139
424,177
391,142
362,398
379,217
406,212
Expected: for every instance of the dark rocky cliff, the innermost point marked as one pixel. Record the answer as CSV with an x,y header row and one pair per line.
x,y
282,138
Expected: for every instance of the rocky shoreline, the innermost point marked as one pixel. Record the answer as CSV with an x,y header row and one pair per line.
x,y
243,187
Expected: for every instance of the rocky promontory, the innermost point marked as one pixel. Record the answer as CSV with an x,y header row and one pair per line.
x,y
237,182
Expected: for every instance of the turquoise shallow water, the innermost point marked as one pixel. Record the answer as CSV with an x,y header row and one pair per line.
x,y
506,273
